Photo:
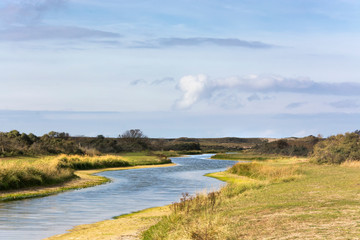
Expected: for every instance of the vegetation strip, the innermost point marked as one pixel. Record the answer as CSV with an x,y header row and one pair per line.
x,y
85,179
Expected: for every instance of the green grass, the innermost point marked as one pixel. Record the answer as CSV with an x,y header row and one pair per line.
x,y
321,202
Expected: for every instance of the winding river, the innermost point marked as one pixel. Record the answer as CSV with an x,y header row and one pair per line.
x,y
129,191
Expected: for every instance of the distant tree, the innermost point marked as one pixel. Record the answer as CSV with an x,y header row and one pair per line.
x,y
62,135
133,133
13,134
134,140
100,137
52,134
25,138
33,137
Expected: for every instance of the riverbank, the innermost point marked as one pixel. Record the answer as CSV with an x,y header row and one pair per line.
x,y
276,199
82,179
127,227
131,226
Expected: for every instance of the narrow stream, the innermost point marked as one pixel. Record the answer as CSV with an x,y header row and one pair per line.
x,y
129,191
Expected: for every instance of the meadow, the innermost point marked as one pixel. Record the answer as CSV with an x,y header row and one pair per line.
x,y
284,198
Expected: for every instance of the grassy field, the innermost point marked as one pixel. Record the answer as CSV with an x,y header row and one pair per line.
x,y
20,173
285,198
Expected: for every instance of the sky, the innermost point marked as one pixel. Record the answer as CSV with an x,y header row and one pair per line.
x,y
199,68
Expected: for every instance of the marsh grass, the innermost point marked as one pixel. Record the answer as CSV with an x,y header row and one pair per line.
x,y
18,173
266,172
21,174
78,162
355,164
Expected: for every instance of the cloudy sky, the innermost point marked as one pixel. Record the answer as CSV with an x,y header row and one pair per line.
x,y
204,68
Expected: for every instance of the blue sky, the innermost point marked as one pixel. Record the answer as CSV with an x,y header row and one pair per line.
x,y
272,68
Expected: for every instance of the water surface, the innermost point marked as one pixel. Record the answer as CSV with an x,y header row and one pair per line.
x,y
129,191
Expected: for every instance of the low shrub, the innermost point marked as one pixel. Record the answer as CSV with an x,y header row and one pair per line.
x,y
337,149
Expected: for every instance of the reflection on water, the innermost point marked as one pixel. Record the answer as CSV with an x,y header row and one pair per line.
x,y
131,190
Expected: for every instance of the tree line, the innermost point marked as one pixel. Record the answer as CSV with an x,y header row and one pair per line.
x,y
14,143
289,147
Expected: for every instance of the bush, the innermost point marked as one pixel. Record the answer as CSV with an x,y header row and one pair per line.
x,y
337,149
288,147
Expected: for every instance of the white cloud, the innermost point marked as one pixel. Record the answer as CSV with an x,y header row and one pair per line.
x,y
201,87
192,87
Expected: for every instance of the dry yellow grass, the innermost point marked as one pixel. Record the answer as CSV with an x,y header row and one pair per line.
x,y
266,172
15,174
85,179
351,164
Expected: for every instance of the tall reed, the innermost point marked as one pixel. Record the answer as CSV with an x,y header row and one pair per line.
x,y
88,162
15,175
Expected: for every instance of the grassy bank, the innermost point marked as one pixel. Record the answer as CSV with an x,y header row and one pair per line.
x,y
41,176
127,226
277,199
